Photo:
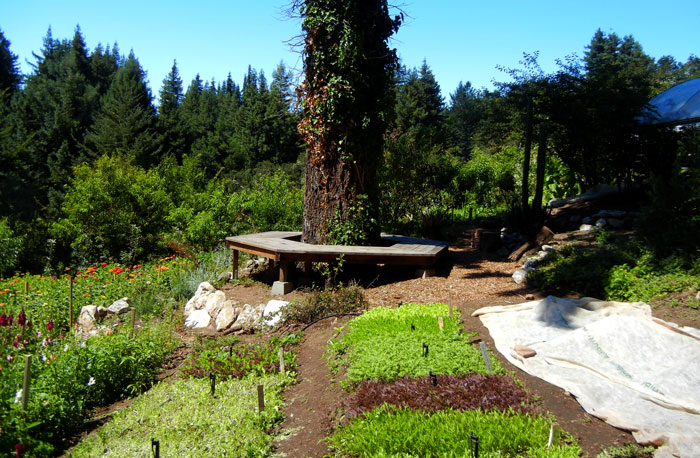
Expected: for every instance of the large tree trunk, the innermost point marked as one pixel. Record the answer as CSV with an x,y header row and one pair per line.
x,y
346,95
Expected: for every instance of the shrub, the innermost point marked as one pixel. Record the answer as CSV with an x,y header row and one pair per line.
x,y
323,303
10,247
115,210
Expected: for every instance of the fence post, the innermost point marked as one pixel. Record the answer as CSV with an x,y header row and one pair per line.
x,y
25,381
261,398
281,355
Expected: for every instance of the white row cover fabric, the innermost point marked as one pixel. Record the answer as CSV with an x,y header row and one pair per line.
x,y
625,367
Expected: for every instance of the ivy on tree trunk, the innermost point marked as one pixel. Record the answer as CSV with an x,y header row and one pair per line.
x,y
347,97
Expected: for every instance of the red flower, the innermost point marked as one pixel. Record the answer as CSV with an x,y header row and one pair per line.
x,y
103,264
49,325
19,449
21,319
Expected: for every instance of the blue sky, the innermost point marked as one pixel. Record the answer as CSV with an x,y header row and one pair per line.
x,y
460,40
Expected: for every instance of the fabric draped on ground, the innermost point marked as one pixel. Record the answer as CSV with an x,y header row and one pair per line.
x,y
625,367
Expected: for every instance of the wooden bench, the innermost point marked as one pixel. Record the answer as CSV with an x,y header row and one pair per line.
x,y
285,247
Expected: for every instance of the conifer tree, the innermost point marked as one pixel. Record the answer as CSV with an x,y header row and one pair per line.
x,y
125,124
170,115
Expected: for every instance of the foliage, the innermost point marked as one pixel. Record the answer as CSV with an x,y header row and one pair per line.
x,y
382,433
187,421
71,376
323,303
615,269
10,247
239,361
627,451
467,392
115,210
386,344
46,298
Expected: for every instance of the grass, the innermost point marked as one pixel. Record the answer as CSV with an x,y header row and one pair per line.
x,y
386,343
391,432
189,422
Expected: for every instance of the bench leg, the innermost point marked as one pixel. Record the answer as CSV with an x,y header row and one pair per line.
x,y
234,270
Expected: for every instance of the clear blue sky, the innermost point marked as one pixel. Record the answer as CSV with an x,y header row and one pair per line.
x,y
460,40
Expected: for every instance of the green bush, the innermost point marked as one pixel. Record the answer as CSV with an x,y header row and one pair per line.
x,y
71,376
10,247
114,210
323,303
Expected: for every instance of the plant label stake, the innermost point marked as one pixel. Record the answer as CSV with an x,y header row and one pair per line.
x,y
70,303
425,350
450,305
413,327
482,345
133,322
230,351
281,354
474,445
212,380
155,448
433,378
441,323
261,398
25,381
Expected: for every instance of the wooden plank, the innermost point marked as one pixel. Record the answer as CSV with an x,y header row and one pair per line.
x,y
284,246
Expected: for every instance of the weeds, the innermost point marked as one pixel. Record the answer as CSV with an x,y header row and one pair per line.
x,y
323,303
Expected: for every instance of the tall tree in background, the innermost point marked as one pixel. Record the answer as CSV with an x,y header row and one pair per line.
x,y
170,114
463,116
346,96
126,124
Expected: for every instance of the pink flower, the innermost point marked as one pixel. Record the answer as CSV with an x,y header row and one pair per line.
x,y
21,319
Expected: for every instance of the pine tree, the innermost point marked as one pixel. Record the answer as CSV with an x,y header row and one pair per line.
x,y
465,112
9,70
170,115
126,123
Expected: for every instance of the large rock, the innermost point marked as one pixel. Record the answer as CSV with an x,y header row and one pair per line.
x,y
199,300
250,316
214,302
198,319
87,320
272,313
227,316
120,306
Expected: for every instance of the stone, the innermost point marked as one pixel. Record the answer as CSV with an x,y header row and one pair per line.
x,y
228,276
227,315
586,228
100,312
120,306
697,296
198,319
519,276
525,352
587,220
199,299
214,302
250,316
601,223
272,313
425,273
280,288
87,319
529,297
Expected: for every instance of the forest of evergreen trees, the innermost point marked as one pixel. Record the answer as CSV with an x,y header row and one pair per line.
x,y
93,167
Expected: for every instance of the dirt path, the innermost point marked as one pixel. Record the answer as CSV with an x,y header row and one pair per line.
x,y
312,399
